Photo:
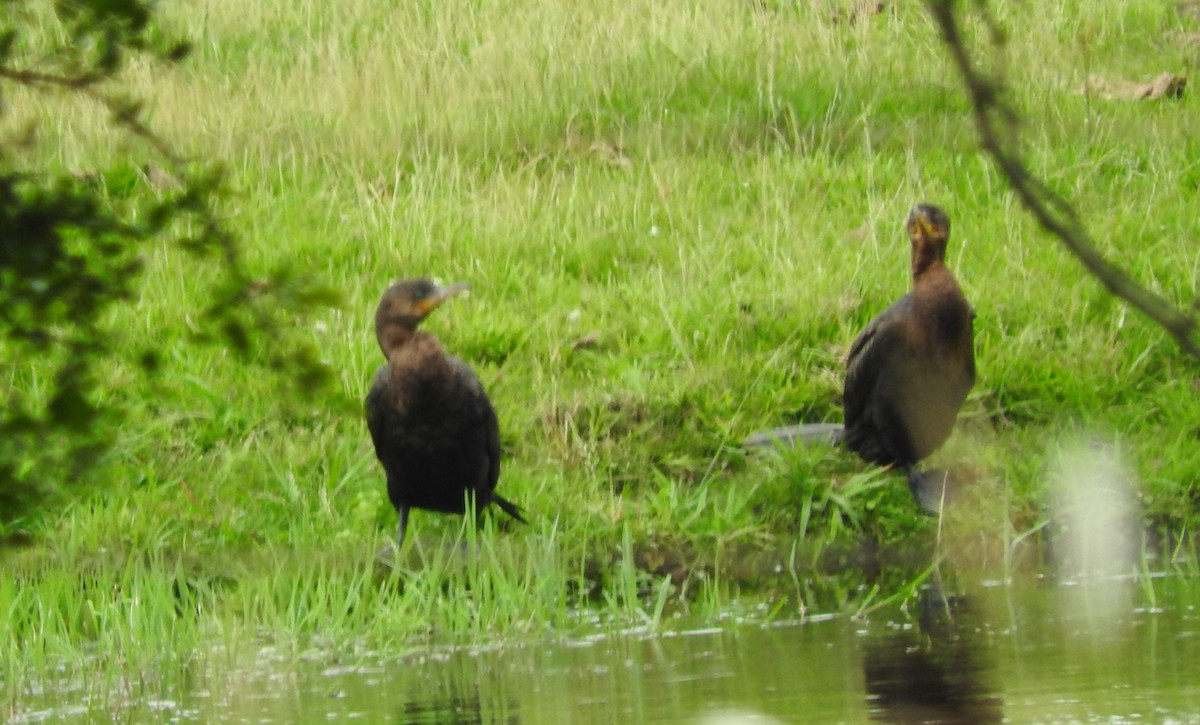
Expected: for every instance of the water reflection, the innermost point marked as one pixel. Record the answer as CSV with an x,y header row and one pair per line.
x,y
449,711
442,688
935,672
1000,653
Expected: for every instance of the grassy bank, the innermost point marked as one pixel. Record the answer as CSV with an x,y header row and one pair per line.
x,y
675,219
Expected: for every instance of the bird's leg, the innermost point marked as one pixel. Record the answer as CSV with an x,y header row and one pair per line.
x,y
471,507
401,527
390,555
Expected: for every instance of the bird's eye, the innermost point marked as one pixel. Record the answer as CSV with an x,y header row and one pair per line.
x,y
419,294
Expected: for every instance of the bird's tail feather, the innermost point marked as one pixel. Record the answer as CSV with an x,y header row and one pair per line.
x,y
509,508
792,435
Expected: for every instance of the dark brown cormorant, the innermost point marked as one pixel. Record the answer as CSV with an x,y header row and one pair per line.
x,y
434,429
909,371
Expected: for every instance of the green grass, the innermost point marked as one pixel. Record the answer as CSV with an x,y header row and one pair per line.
x,y
675,219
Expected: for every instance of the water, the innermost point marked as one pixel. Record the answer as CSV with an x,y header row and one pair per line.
x,y
1123,652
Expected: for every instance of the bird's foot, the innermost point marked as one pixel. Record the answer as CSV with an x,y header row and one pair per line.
x,y
932,489
389,555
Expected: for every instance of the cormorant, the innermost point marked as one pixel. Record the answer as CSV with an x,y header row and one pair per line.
x,y
909,371
434,429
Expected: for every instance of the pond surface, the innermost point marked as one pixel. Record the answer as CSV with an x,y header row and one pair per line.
x,y
1121,652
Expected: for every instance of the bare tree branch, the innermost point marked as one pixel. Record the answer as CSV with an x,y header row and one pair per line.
x,y
1055,214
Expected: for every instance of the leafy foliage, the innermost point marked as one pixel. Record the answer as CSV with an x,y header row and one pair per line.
x,y
71,249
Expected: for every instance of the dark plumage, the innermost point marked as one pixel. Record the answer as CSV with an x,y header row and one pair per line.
x,y
909,371
434,429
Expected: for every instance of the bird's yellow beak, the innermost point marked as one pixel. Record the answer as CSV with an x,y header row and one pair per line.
x,y
924,225
425,306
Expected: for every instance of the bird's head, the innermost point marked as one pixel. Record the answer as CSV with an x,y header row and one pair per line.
x,y
405,304
928,223
928,230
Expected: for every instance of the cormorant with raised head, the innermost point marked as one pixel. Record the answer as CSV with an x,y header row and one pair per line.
x,y
434,429
909,372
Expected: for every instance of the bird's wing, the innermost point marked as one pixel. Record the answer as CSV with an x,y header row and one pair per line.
x,y
484,416
869,355
491,430
376,408
970,365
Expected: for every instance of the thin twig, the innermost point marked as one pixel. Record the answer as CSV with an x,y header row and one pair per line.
x,y
85,84
1053,212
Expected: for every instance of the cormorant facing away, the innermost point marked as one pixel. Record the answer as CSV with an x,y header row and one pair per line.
x,y
909,371
434,429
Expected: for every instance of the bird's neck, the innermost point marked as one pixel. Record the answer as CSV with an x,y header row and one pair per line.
x,y
419,351
926,259
420,373
936,296
394,338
